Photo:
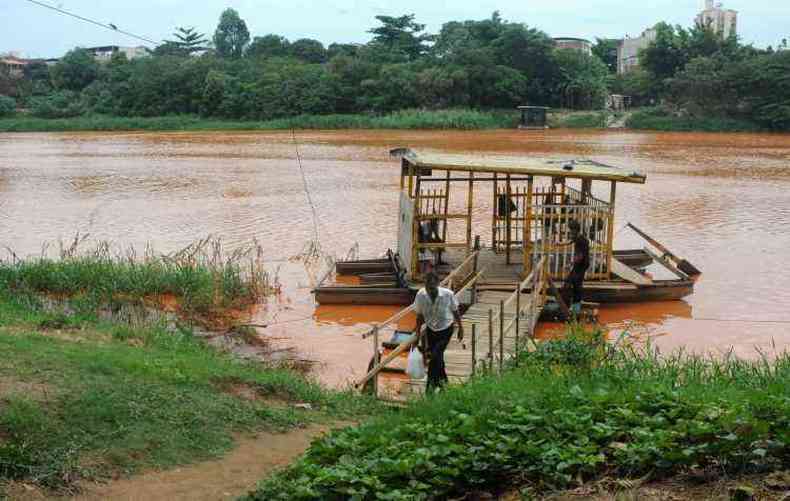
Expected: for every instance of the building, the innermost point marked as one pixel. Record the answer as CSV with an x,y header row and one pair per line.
x,y
628,50
13,66
104,54
579,44
722,21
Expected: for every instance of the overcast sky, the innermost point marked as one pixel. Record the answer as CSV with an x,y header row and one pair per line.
x,y
39,32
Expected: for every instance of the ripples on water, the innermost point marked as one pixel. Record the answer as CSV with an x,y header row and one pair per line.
x,y
720,200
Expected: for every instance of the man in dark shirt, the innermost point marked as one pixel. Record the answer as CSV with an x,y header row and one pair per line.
x,y
581,261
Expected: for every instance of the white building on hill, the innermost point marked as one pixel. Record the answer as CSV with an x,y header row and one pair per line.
x,y
722,21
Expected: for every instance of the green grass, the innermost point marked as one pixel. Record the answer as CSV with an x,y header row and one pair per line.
x,y
200,276
659,119
577,120
572,412
406,119
94,398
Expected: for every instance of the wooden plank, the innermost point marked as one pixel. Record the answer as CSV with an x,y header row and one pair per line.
x,y
682,265
626,273
666,264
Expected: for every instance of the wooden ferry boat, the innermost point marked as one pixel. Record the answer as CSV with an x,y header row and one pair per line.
x,y
533,200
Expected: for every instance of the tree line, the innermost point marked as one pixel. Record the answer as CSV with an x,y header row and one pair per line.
x,y
482,64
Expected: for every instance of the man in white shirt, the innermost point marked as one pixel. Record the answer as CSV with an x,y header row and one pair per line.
x,y
437,309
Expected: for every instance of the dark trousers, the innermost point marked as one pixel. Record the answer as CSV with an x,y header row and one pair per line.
x,y
437,343
574,282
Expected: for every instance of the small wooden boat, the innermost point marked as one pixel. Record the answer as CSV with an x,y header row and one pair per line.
x,y
533,203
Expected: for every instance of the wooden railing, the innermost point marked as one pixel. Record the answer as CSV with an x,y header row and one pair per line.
x,y
408,343
452,281
536,281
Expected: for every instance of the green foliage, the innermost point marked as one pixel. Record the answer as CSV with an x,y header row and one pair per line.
x,y
400,35
232,35
268,46
606,50
62,104
75,71
124,398
198,276
572,411
308,50
581,79
7,106
577,120
404,119
662,119
478,64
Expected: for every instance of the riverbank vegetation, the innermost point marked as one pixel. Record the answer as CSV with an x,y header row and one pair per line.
x,y
241,81
573,411
84,398
205,282
461,119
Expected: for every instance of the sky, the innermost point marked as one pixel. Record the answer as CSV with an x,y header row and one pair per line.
x,y
35,31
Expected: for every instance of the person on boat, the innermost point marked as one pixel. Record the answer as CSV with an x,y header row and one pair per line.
x,y
581,261
429,234
437,309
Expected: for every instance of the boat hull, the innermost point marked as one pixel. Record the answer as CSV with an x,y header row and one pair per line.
x,y
364,295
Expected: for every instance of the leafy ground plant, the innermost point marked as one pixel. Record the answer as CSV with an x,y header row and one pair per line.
x,y
551,424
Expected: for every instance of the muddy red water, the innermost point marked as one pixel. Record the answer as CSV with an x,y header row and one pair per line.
x,y
720,200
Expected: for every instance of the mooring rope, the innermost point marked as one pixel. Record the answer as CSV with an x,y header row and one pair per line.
x,y
306,188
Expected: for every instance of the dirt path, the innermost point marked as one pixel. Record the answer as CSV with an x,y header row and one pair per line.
x,y
226,478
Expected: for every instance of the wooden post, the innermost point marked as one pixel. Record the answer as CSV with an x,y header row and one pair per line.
x,y
403,169
610,235
469,206
501,333
518,315
527,245
496,214
446,203
490,339
508,235
411,180
415,260
474,348
376,360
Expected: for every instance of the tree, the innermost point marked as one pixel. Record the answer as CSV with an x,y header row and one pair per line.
x,y
308,50
190,40
231,36
401,34
75,71
581,79
606,50
268,46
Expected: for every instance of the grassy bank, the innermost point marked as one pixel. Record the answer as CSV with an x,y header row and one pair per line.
x,y
661,120
81,398
407,119
577,119
200,277
572,412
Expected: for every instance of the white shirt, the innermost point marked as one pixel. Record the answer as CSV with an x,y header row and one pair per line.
x,y
438,314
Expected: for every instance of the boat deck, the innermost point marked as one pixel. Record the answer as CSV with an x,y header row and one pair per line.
x,y
497,270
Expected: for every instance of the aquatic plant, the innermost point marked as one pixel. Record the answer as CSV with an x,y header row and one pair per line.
x,y
574,410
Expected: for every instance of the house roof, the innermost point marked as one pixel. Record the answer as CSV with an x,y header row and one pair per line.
x,y
531,166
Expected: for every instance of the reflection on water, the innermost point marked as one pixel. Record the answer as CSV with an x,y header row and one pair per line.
x,y
720,200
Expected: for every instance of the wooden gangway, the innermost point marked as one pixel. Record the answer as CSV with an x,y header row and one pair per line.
x,y
496,325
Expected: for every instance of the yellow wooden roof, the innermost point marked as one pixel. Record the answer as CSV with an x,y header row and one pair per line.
x,y
530,166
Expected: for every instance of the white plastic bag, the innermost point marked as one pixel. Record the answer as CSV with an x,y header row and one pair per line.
x,y
415,367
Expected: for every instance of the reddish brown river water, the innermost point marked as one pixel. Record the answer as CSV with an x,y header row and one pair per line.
x,y
720,200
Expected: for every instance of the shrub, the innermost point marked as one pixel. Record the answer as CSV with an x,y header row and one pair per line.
x,y
7,106
63,104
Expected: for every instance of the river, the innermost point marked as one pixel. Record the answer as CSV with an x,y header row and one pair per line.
x,y
720,200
